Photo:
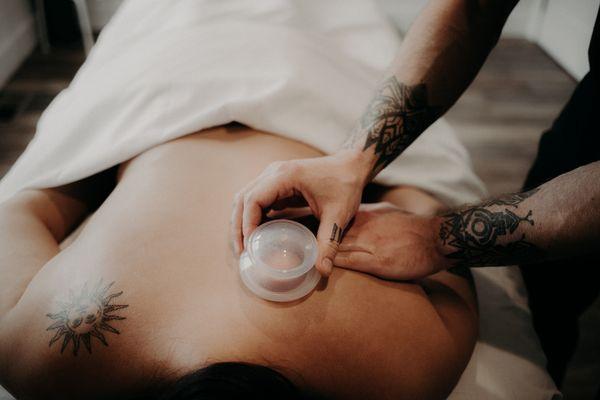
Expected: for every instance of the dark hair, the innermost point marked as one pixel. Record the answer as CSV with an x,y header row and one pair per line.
x,y
230,380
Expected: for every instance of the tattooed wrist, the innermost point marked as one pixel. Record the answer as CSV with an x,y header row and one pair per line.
x,y
394,118
492,233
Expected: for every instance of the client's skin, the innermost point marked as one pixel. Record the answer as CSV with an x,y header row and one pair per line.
x,y
150,290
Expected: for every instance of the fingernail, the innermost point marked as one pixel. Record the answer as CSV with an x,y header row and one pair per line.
x,y
327,266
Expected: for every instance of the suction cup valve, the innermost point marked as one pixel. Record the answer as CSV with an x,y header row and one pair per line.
x,y
278,262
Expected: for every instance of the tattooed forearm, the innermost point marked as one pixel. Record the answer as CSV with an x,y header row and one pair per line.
x,y
84,315
482,235
396,116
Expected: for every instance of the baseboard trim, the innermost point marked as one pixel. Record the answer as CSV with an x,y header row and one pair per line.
x,y
15,49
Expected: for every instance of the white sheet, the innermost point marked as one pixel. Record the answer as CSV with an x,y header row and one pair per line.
x,y
161,69
301,69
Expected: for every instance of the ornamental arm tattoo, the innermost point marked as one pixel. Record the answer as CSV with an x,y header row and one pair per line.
x,y
486,234
394,118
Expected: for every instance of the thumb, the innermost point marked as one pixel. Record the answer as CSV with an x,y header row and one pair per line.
x,y
329,237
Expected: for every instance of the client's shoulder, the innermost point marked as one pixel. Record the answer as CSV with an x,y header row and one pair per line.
x,y
382,339
81,340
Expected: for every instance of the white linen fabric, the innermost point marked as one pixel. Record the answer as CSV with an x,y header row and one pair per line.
x,y
300,69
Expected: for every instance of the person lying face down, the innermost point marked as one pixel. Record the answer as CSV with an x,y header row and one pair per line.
x,y
146,300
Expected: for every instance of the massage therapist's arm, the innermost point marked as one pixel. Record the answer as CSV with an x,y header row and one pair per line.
x,y
558,219
438,59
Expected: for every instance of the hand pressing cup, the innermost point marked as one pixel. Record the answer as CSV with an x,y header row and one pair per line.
x,y
331,186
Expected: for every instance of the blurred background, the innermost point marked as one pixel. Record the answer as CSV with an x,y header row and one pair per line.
x,y
521,88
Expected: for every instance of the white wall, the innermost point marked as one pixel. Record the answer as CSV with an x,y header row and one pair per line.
x,y
565,33
561,27
17,36
518,25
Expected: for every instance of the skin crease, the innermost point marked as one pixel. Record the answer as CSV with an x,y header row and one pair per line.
x,y
162,237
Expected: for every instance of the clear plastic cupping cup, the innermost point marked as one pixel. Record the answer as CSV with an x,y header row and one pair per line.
x,y
278,262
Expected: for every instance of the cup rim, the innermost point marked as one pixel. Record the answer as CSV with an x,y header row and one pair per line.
x,y
291,273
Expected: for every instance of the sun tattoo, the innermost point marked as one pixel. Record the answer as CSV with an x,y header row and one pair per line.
x,y
84,315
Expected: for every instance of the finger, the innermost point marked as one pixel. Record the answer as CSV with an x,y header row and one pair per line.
x,y
358,261
329,237
261,196
236,217
236,224
352,243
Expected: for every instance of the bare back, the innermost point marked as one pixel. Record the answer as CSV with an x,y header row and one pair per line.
x,y
166,297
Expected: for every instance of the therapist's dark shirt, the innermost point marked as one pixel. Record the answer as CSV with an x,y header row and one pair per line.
x,y
559,291
574,138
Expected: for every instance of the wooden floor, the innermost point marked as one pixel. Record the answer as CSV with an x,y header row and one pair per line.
x,y
500,119
27,94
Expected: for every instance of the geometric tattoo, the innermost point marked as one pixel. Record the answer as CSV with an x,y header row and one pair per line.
x,y
475,232
396,116
336,234
84,315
